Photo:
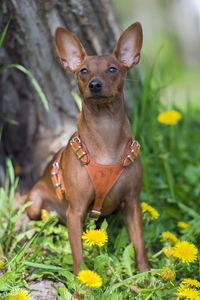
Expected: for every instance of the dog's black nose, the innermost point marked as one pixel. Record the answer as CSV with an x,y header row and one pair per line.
x,y
95,86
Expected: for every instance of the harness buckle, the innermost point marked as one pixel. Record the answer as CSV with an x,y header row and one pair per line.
x,y
96,213
132,145
75,138
137,144
56,164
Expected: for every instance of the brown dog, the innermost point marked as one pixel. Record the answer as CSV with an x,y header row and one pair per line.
x,y
99,167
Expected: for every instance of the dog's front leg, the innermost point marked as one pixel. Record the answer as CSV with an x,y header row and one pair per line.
x,y
134,225
74,225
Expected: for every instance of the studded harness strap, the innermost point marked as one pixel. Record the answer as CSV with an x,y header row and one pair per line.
x,y
103,177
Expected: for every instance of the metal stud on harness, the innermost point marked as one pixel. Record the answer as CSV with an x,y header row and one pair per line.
x,y
57,178
103,177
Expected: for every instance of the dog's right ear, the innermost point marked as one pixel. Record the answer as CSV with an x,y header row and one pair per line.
x,y
69,49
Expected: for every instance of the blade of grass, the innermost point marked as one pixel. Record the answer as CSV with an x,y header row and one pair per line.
x,y
33,80
4,32
35,239
77,99
10,170
43,266
22,251
13,122
132,278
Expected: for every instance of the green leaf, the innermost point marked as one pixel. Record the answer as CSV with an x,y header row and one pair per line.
x,y
101,261
188,210
4,32
64,293
33,80
71,279
20,211
78,100
19,237
192,174
122,239
104,225
13,122
22,253
128,258
67,260
43,266
10,170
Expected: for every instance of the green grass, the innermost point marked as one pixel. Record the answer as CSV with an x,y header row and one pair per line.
x,y
25,71
171,176
171,71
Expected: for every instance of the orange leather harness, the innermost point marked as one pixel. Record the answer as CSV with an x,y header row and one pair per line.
x,y
103,177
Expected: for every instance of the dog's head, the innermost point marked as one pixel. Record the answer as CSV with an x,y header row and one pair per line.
x,y
100,78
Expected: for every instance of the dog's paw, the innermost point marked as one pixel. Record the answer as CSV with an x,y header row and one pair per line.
x,y
76,295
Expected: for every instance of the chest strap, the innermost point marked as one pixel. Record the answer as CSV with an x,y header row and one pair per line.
x,y
103,177
56,176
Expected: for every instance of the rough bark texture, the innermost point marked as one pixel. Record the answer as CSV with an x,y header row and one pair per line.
x,y
30,42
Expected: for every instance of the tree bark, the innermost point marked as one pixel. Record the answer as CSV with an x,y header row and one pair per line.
x,y
30,42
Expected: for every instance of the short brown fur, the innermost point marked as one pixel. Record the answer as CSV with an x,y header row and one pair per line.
x,y
105,130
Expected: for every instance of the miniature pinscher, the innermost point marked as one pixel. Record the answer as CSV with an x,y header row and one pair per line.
x,y
99,169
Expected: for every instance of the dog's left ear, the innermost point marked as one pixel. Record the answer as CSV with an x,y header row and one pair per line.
x,y
128,47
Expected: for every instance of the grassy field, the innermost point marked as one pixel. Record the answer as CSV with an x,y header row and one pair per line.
x,y
171,176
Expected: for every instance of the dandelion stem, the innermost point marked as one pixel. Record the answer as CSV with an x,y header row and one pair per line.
x,y
167,168
158,253
128,280
149,290
172,137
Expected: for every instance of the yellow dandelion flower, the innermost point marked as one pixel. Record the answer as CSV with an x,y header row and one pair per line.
x,y
184,292
168,251
168,236
45,215
18,294
185,251
167,274
191,282
146,208
170,117
183,225
90,278
95,237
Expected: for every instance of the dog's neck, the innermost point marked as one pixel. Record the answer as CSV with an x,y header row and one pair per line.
x,y
105,130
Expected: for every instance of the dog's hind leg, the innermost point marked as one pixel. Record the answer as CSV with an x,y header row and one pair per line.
x,y
36,196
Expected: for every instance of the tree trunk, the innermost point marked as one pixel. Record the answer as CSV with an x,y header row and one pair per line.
x,y
30,42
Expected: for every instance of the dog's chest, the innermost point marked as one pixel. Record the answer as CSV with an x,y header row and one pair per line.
x,y
121,190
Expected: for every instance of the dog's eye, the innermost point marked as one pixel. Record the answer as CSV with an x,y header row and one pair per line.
x,y
112,70
84,71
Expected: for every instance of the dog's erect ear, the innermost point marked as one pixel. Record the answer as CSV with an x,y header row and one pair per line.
x,y
129,45
69,49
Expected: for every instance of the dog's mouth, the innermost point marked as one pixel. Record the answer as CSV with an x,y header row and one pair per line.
x,y
97,97
101,98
